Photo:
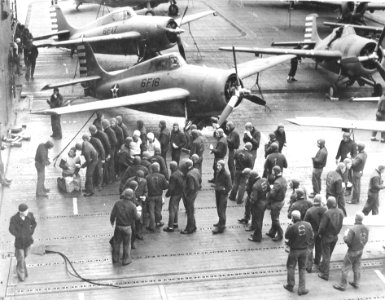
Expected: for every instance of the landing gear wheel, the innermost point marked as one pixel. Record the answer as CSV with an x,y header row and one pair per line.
x,y
377,90
150,13
333,91
173,10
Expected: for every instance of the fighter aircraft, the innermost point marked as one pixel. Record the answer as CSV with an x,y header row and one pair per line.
x,y
352,12
121,32
136,4
352,57
166,85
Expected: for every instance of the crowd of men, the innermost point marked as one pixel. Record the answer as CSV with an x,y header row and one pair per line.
x,y
138,162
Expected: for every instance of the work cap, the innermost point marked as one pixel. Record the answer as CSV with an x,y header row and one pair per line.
x,y
195,157
296,215
246,171
188,164
254,173
300,193
272,136
92,129
331,202
294,183
317,200
119,119
175,124
220,130
105,123
146,155
140,173
274,146
133,185
128,194
55,89
359,216
155,167
23,207
346,134
248,146
321,142
195,133
136,133
137,160
280,125
230,124
113,121
173,165
48,144
150,136
86,137
162,122
78,146
341,166
381,167
361,146
276,170
193,126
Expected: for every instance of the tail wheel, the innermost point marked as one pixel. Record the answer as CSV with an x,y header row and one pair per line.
x,y
173,10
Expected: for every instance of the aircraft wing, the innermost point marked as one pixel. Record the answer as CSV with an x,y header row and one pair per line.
x,y
71,82
380,5
257,65
43,37
161,96
193,17
360,27
320,54
101,38
338,123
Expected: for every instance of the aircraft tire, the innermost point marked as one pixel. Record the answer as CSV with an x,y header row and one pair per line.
x,y
173,10
150,13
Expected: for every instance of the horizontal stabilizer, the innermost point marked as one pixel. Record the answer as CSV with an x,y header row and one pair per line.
x,y
94,39
161,96
366,99
71,82
293,44
43,37
360,27
321,54
193,17
338,123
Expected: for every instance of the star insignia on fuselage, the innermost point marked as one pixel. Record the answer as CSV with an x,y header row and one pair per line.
x,y
115,90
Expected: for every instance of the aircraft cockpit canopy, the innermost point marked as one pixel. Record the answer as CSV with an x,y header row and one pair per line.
x,y
117,16
164,63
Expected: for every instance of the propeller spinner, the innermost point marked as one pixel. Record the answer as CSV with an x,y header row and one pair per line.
x,y
239,94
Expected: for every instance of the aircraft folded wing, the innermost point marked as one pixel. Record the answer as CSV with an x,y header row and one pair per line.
x,y
70,82
93,39
321,54
257,65
378,5
193,17
159,96
360,27
338,123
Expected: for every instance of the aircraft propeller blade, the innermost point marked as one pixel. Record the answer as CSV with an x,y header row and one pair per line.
x,y
350,60
380,69
379,43
180,46
228,109
255,99
176,30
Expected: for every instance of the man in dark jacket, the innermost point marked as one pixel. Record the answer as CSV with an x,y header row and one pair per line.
x,y
156,183
119,121
191,187
347,146
356,239
123,214
41,161
222,189
301,204
164,138
274,159
258,200
300,238
330,227
358,166
160,160
243,159
334,180
253,177
22,226
280,135
56,101
272,139
91,160
313,216
120,141
233,142
177,142
113,145
380,116
319,162
102,136
175,192
219,151
276,198
375,185
197,147
98,174
252,136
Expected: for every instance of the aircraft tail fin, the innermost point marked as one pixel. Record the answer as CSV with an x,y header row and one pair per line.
x,y
59,22
88,64
311,30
